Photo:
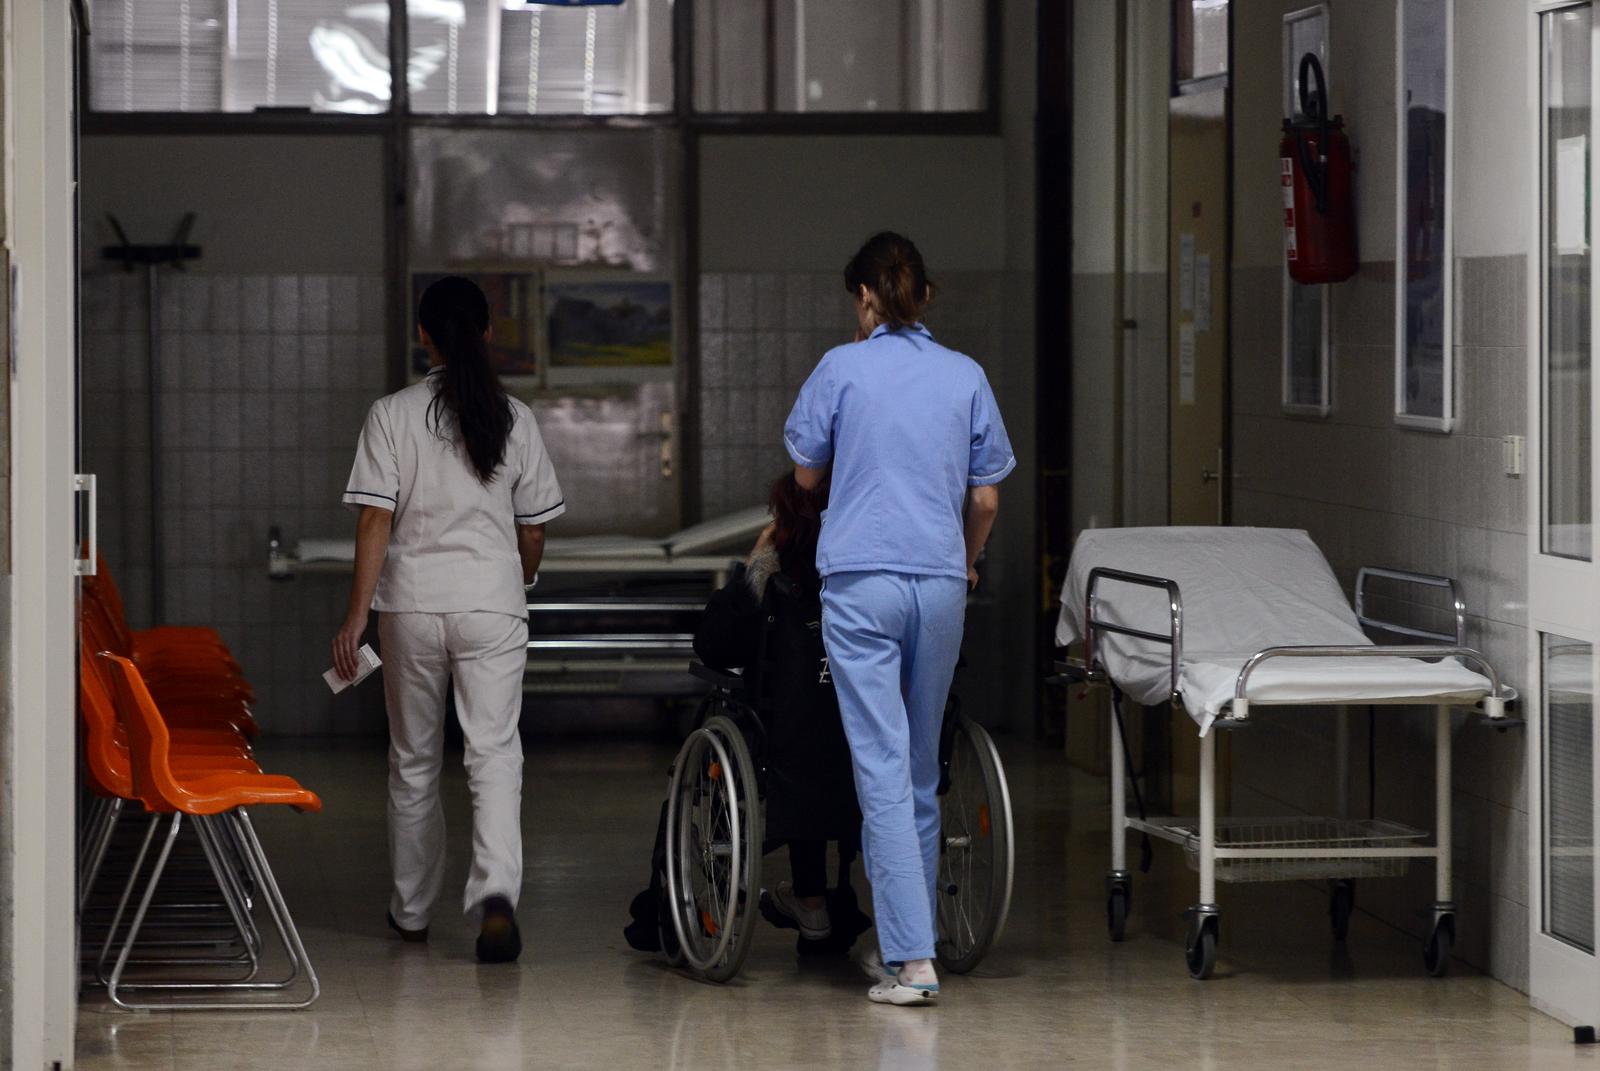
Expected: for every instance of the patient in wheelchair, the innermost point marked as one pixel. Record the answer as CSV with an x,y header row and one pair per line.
x,y
766,622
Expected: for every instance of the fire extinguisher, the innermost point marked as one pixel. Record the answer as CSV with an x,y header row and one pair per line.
x,y
1319,226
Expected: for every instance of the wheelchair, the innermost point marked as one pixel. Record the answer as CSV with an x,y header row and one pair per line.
x,y
714,847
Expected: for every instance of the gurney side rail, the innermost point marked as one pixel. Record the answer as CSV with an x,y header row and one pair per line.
x,y
1406,576
1494,702
1174,637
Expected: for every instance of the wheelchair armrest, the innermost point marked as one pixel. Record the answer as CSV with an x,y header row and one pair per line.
x,y
730,682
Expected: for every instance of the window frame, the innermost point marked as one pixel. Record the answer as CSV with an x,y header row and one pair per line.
x,y
1445,422
1323,406
680,114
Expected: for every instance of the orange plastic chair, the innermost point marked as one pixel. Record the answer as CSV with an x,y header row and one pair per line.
x,y
193,701
103,587
202,797
108,770
189,664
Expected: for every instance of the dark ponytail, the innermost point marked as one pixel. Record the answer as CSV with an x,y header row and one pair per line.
x,y
891,269
455,314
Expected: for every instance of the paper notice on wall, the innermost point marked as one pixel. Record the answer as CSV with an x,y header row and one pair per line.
x,y
1202,292
1186,364
1572,184
1185,273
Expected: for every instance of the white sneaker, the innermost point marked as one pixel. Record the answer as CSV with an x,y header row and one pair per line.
x,y
813,921
907,986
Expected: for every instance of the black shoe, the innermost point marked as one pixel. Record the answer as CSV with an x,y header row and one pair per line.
x,y
410,937
499,940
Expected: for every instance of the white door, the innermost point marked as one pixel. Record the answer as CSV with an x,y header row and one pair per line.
x,y
1564,579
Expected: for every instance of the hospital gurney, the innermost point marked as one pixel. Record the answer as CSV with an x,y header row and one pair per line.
x,y
606,606
1221,621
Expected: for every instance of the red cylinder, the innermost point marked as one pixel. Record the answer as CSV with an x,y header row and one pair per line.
x,y
1319,223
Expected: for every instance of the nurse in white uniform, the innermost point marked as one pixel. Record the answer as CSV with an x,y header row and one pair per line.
x,y
453,486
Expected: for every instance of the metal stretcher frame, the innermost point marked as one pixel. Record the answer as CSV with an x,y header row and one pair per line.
x,y
1202,917
578,655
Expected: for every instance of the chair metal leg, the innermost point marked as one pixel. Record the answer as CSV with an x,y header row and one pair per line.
x,y
144,906
122,904
94,854
258,868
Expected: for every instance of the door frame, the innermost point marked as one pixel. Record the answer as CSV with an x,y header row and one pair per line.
x,y
1563,980
42,243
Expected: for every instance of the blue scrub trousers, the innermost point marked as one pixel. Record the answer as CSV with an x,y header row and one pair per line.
x,y
892,641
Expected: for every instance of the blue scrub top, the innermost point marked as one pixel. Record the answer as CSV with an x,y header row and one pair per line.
x,y
908,426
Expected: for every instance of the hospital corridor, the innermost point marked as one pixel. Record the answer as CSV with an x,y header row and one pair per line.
x,y
799,534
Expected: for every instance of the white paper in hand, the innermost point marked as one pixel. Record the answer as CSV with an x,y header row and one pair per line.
x,y
366,661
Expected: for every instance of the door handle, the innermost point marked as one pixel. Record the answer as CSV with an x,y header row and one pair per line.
x,y
665,435
1216,476
84,483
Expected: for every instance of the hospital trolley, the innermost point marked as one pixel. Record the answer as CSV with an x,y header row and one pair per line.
x,y
1222,622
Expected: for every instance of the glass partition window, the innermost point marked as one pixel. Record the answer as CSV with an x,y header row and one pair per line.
x,y
239,55
519,57
839,56
1568,849
509,57
1307,375
580,198
1200,39
1567,60
1424,380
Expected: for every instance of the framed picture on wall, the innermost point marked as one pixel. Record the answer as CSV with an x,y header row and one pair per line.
x,y
514,347
615,320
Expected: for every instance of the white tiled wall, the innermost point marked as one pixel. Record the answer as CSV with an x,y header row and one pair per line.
x,y
1371,493
265,381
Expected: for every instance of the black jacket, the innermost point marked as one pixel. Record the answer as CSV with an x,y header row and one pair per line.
x,y
771,628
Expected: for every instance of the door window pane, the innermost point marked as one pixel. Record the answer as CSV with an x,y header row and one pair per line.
x,y
1422,301
839,56
590,198
1569,791
239,55
1306,353
1565,389
491,57
1200,39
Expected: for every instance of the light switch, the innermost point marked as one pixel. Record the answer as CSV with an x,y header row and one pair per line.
x,y
1511,451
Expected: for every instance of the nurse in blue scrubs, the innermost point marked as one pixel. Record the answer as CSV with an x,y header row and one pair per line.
x,y
916,445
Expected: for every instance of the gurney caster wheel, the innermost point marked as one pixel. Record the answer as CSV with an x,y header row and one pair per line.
x,y
1200,949
1117,897
1341,903
1436,952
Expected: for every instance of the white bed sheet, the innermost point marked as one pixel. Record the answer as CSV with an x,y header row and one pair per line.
x,y
1243,590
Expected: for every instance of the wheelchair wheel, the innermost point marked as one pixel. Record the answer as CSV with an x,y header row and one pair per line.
x,y
977,853
713,849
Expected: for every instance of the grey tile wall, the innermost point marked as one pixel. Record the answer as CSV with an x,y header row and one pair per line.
x,y
264,384
1371,493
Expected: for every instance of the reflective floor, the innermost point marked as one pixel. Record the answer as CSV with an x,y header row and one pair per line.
x,y
1053,993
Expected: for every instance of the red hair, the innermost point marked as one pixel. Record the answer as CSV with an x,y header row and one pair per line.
x,y
797,524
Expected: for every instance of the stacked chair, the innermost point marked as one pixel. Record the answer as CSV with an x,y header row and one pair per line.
x,y
166,739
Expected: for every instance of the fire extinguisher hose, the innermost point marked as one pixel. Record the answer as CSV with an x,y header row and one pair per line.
x,y
1314,107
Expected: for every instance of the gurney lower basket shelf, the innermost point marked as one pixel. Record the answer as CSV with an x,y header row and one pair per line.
x,y
1298,833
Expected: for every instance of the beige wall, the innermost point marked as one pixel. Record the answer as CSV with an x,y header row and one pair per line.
x,y
263,203
808,202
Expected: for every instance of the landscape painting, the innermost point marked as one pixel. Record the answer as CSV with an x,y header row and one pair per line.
x,y
610,323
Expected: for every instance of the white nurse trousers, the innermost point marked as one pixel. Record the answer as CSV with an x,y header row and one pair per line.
x,y
485,655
